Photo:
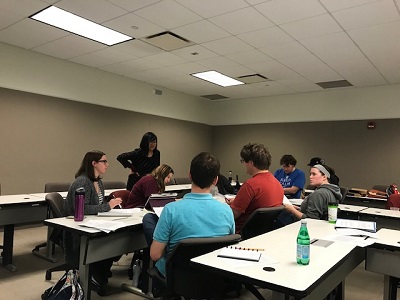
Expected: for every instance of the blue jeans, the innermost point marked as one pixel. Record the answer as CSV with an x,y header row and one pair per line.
x,y
149,225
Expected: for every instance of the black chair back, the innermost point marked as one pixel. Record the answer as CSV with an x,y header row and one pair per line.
x,y
343,191
185,280
262,220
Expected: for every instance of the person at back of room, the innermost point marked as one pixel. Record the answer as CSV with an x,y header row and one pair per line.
x,y
291,178
94,164
261,190
197,215
147,185
224,186
334,179
315,205
141,161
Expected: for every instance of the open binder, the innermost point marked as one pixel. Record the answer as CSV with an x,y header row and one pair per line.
x,y
368,226
237,253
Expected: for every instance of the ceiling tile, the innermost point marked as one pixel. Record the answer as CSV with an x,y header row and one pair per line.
x,y
134,26
265,37
8,18
168,14
249,57
22,7
311,68
227,45
166,59
97,11
69,46
217,62
195,53
300,84
211,8
285,11
138,48
132,5
189,68
103,57
200,32
287,49
343,4
311,27
29,33
241,21
273,70
367,15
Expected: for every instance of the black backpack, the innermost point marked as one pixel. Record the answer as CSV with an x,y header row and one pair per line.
x,y
66,288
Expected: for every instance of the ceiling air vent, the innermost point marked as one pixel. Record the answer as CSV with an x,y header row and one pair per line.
x,y
167,41
334,84
252,78
214,97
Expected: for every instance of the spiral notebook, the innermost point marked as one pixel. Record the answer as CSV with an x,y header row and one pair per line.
x,y
240,253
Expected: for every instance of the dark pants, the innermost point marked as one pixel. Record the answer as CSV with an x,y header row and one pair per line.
x,y
149,225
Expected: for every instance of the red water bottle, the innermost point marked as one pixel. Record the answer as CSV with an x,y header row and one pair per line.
x,y
394,189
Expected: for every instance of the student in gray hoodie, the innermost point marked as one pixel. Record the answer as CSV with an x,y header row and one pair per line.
x,y
315,206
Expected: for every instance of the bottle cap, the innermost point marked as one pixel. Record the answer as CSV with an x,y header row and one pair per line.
x,y
303,221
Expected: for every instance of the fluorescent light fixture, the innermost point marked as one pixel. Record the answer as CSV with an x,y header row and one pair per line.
x,y
217,78
67,21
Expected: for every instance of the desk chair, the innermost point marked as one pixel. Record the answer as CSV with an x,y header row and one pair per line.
x,y
108,185
262,220
51,187
343,191
187,281
55,201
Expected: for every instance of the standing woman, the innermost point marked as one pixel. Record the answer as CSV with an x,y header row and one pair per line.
x,y
94,164
149,184
141,161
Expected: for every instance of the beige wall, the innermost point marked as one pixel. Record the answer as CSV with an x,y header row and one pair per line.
x,y
361,157
43,139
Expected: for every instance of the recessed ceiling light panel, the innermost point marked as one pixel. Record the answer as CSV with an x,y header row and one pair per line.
x,y
67,21
217,78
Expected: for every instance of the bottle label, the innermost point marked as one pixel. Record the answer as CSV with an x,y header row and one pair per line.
x,y
303,251
332,214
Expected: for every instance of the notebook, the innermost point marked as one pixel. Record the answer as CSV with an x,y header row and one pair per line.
x,y
240,253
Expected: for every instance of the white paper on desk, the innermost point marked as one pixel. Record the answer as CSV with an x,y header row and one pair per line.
x,y
158,210
103,225
265,260
356,232
356,224
361,241
124,212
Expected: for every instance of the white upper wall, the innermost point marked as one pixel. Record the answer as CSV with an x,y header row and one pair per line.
x,y
33,72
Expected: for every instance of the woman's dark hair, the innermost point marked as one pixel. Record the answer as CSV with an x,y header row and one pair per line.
x,y
258,154
146,139
160,173
86,165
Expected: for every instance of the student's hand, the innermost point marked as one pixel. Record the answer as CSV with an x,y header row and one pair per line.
x,y
229,201
114,202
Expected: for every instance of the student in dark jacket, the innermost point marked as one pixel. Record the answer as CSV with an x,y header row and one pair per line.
x,y
141,161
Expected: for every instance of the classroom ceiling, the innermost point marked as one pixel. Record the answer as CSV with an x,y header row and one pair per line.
x,y
279,46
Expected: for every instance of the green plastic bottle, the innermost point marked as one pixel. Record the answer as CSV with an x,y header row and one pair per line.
x,y
303,244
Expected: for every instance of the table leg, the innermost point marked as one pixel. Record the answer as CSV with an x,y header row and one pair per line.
x,y
390,287
8,244
84,273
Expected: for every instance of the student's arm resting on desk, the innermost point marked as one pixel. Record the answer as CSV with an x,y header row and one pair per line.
x,y
290,190
157,250
294,210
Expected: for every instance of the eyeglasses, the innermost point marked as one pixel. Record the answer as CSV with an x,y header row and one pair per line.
x,y
242,161
104,161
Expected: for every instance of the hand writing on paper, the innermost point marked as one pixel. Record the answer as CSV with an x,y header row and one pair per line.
x,y
115,202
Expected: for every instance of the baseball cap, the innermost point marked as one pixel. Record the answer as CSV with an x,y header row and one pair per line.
x,y
316,161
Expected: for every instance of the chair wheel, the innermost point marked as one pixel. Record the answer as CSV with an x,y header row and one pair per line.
x,y
48,275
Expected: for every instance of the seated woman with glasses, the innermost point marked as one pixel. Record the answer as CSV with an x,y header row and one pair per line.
x,y
141,161
94,164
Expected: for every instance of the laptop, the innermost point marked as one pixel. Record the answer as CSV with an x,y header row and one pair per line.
x,y
159,200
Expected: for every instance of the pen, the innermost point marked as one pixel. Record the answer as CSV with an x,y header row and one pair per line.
x,y
251,249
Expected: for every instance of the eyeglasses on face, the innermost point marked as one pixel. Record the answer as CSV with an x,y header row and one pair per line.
x,y
104,161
